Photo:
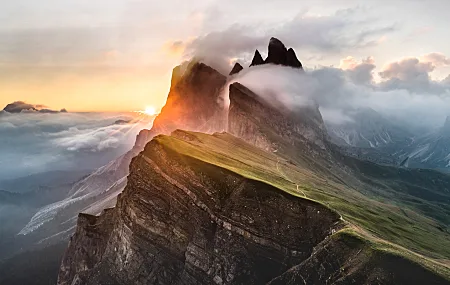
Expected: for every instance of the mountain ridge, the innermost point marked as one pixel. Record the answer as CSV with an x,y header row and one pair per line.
x,y
260,205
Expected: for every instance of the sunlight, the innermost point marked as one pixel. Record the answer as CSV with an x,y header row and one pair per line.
x,y
150,110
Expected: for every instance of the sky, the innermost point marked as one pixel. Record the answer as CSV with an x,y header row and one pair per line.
x,y
110,55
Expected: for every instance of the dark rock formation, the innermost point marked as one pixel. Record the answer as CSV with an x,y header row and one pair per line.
x,y
266,125
345,259
87,245
184,221
257,59
277,52
236,68
291,59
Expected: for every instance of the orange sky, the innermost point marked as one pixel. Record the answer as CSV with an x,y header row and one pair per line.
x,y
123,91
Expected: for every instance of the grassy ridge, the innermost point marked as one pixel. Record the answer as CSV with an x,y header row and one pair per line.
x,y
386,224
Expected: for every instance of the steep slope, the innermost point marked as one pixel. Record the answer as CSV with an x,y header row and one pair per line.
x,y
250,118
431,150
369,129
201,209
202,224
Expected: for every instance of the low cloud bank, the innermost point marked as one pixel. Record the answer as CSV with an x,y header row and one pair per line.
x,y
33,142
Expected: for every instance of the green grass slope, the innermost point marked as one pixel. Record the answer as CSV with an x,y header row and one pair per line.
x,y
389,209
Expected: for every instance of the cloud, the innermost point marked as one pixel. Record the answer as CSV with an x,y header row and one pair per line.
x,y
437,59
331,34
413,74
359,73
33,142
341,91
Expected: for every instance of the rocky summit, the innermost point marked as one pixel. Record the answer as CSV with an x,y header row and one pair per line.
x,y
236,68
264,198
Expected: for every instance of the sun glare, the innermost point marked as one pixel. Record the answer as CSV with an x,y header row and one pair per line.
x,y
150,110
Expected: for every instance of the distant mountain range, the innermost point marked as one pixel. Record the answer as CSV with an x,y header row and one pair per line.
x,y
375,137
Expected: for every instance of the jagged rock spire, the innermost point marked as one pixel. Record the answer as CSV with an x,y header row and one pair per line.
x,y
257,59
291,59
236,68
277,52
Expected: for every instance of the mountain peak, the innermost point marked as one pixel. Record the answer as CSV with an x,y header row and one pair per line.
x,y
292,60
277,52
236,68
257,59
194,102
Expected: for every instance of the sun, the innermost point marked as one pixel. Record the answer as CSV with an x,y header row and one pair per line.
x,y
150,110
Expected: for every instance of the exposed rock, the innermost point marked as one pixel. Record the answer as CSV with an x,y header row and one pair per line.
x,y
257,59
277,52
193,103
345,259
184,221
291,59
264,125
87,245
236,68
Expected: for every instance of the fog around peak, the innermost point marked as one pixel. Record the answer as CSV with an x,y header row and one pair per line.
x,y
405,90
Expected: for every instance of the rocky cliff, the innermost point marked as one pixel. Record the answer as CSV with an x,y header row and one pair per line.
x,y
266,126
203,209
182,220
194,103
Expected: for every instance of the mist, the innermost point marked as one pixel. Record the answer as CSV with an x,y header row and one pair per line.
x,y
415,99
33,142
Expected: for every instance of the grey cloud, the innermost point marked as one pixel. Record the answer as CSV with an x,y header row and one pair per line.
x,y
359,73
339,94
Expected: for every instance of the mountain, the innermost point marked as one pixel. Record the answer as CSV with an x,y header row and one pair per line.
x,y
49,179
277,54
270,201
236,68
430,150
369,129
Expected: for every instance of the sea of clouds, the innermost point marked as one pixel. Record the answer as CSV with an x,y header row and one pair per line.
x,y
34,142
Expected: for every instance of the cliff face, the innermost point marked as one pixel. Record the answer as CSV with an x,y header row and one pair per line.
x,y
265,126
193,103
181,220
